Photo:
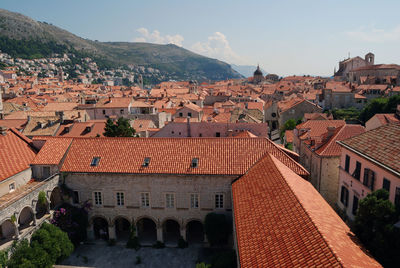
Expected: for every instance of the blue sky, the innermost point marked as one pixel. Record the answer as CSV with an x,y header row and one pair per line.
x,y
284,37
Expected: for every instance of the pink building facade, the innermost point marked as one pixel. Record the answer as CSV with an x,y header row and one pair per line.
x,y
362,171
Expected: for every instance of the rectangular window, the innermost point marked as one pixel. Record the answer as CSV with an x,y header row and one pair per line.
x,y
217,134
386,184
120,199
357,171
180,114
347,163
46,172
195,163
121,111
104,111
194,200
397,198
11,187
145,199
75,197
95,161
97,199
355,205
344,196
369,178
170,200
219,201
190,114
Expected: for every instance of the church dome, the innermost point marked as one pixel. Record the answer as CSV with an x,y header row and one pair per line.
x,y
258,71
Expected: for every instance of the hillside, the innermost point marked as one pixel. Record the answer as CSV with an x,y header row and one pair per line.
x,y
172,62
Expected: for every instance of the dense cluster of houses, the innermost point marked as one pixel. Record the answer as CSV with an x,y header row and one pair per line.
x,y
203,147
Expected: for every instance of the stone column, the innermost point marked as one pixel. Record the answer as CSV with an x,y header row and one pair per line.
x,y
90,232
16,230
183,233
160,234
111,232
34,219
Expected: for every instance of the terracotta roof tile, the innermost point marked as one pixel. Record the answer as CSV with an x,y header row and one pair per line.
x,y
16,153
381,144
229,156
282,221
52,151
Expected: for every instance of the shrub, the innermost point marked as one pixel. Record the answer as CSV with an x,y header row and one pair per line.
x,y
158,244
217,229
42,198
3,258
24,255
54,241
225,259
182,243
138,260
203,265
133,241
112,242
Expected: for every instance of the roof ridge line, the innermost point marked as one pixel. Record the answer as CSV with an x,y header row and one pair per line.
x,y
306,212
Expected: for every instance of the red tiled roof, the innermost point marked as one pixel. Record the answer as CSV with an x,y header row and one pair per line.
x,y
228,156
52,151
282,221
319,127
16,153
331,148
381,144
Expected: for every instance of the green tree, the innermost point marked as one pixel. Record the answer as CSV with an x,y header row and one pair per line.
x,y
54,241
379,105
289,125
374,226
217,228
121,128
23,255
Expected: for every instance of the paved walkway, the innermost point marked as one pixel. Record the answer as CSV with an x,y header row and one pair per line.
x,y
100,255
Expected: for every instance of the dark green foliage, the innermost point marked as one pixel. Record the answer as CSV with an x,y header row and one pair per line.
x,y
203,265
133,241
378,106
42,198
48,246
182,243
373,225
217,228
111,242
158,245
225,259
289,146
23,255
121,129
349,114
54,241
3,258
73,221
138,260
289,125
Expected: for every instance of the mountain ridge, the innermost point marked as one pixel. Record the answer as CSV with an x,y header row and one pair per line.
x,y
172,61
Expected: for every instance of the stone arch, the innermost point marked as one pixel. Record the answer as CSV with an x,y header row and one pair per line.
x,y
156,221
8,230
122,227
171,231
146,230
99,216
42,209
26,217
55,197
100,227
194,231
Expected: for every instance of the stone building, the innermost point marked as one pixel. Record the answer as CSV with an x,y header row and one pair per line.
x,y
258,76
165,187
347,65
369,162
315,142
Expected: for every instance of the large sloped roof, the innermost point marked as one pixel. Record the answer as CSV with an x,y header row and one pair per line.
x,y
381,144
282,221
225,156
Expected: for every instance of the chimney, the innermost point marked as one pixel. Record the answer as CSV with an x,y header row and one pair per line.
x,y
331,131
3,131
188,127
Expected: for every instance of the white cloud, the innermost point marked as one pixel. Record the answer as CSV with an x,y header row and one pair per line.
x,y
217,46
156,37
374,35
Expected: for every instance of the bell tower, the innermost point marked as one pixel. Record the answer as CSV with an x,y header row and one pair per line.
x,y
370,58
